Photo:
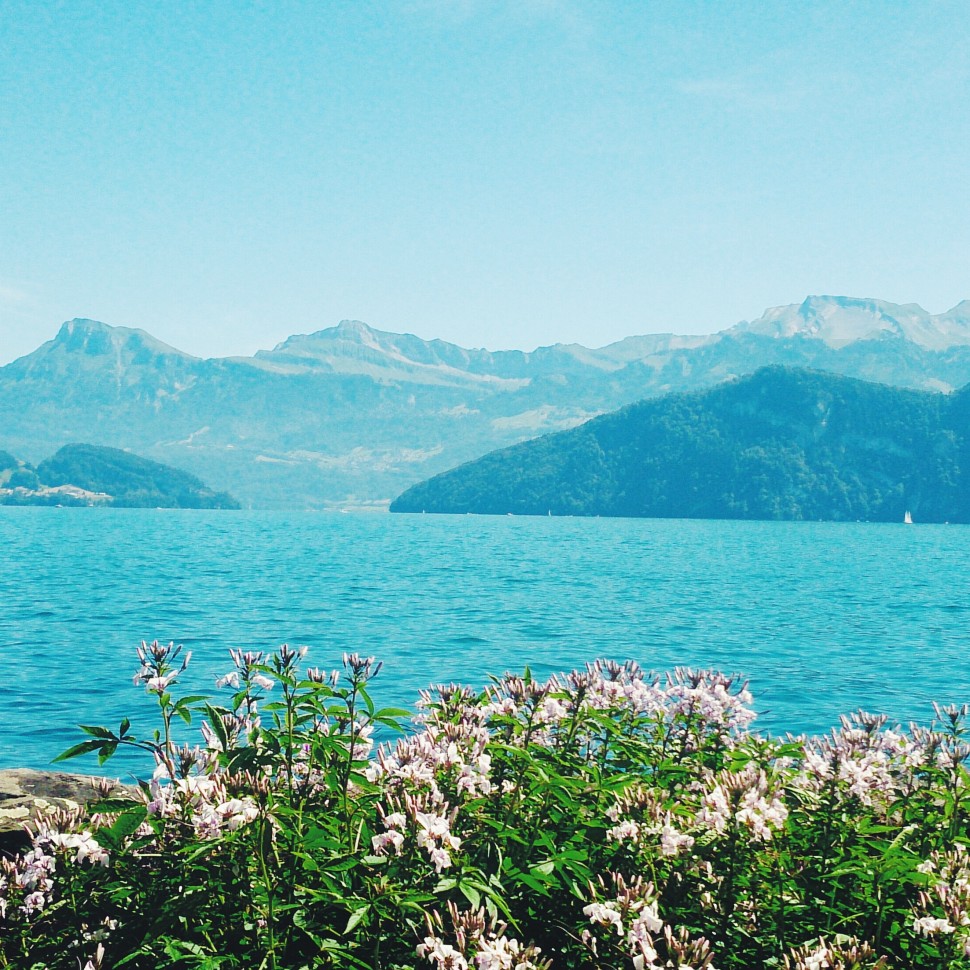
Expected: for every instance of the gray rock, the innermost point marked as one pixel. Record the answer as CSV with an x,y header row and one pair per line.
x,y
26,794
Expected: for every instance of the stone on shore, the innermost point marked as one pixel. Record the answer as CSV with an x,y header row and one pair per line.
x,y
26,794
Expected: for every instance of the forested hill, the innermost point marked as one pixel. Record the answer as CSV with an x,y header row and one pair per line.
x,y
784,443
92,475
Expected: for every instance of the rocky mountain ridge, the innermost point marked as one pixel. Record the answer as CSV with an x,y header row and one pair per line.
x,y
839,321
351,415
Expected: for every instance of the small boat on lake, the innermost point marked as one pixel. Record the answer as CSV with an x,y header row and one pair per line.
x,y
907,518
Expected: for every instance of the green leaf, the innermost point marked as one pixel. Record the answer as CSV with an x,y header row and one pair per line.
x,y
108,748
218,727
85,747
119,804
356,917
471,894
192,699
393,712
531,882
106,839
128,822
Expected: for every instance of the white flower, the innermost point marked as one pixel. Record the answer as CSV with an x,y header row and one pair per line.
x,y
625,830
237,812
396,820
605,914
381,842
502,953
440,858
34,902
930,926
87,848
673,842
441,954
647,920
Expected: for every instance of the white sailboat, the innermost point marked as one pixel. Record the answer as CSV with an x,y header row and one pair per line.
x,y
907,518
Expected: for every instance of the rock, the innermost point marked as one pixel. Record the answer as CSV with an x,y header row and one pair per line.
x,y
26,794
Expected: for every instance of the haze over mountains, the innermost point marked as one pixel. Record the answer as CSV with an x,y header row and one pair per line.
x,y
353,416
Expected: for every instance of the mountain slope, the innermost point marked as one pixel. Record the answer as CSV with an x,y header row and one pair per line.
x,y
131,481
781,444
82,474
353,415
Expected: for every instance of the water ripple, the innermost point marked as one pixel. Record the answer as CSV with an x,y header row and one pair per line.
x,y
822,618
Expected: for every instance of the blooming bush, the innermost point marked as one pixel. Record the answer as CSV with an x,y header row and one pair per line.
x,y
603,819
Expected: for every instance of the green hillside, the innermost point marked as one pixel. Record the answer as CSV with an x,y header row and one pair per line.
x,y
15,473
782,444
82,474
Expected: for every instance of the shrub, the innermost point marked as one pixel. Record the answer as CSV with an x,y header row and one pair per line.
x,y
603,819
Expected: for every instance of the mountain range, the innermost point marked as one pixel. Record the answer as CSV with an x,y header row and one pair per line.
x,y
350,415
783,443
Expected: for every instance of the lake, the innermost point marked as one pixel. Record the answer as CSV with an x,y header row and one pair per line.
x,y
823,618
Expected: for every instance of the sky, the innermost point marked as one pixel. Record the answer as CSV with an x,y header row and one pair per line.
x,y
496,174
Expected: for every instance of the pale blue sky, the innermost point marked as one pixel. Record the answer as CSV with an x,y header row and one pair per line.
x,y
498,174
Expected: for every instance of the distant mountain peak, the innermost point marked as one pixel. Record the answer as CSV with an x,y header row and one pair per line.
x,y
95,338
347,331
842,320
353,327
83,325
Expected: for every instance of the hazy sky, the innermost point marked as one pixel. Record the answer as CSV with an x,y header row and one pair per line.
x,y
498,174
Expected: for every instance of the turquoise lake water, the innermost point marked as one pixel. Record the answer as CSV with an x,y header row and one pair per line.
x,y
823,618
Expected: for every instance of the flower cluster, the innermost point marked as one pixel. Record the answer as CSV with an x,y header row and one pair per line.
x,y
26,882
716,703
944,908
846,955
78,846
743,801
158,665
866,761
447,759
633,915
691,706
481,944
640,817
430,830
203,803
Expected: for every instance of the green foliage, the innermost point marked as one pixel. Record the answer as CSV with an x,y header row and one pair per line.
x,y
15,473
781,444
605,819
131,481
